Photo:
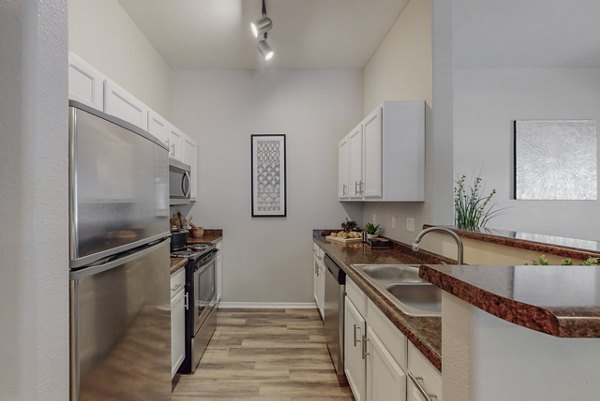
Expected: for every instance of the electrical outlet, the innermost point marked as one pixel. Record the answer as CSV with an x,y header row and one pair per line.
x,y
410,224
393,221
374,219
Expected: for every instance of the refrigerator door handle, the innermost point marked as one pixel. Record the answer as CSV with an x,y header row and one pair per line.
x,y
89,271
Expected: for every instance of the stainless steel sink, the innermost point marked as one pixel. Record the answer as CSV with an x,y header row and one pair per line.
x,y
402,285
418,298
405,273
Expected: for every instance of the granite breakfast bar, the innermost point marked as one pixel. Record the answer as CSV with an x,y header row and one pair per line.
x,y
509,331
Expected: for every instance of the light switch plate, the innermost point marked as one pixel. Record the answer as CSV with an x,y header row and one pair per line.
x,y
393,221
410,224
374,219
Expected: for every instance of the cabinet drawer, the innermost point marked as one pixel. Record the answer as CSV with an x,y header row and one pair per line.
x,y
358,298
389,334
177,281
428,376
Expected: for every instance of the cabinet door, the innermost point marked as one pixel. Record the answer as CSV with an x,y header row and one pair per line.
x,y
177,331
176,144
86,84
425,375
372,155
158,126
355,153
190,157
316,280
122,104
354,362
343,190
321,287
386,381
219,274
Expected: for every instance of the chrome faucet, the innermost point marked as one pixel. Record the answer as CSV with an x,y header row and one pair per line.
x,y
459,245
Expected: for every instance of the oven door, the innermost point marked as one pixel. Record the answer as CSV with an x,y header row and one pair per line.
x,y
204,292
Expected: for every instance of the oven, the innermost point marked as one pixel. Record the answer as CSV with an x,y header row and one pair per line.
x,y
201,311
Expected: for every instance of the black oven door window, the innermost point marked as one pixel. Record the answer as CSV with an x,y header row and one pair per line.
x,y
204,282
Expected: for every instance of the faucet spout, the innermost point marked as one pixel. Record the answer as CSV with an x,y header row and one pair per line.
x,y
459,245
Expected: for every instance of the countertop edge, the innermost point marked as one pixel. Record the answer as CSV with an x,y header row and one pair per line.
x,y
506,238
389,310
177,264
522,314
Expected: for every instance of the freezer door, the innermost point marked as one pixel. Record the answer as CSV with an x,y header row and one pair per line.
x,y
121,328
119,183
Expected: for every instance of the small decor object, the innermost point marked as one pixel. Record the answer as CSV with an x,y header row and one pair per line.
x,y
380,243
372,230
349,225
268,175
555,160
472,209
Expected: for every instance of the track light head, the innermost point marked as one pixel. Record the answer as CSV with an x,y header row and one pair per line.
x,y
261,26
265,50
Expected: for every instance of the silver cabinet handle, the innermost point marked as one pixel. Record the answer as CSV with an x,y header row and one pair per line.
x,y
355,186
173,150
344,189
417,381
365,342
361,185
356,341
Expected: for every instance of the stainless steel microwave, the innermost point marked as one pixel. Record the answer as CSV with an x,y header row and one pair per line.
x,y
179,182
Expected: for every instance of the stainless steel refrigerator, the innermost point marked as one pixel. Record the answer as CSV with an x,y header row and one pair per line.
x,y
120,317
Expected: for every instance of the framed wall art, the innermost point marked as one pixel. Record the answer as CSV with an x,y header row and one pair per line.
x,y
555,160
268,175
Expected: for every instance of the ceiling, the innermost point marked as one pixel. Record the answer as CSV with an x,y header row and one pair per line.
x,y
215,34
527,34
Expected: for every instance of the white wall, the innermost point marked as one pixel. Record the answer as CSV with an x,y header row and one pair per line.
x,y
267,259
104,35
415,62
540,61
486,103
33,176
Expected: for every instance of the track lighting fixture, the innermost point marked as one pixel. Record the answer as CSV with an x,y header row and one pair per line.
x,y
265,50
261,27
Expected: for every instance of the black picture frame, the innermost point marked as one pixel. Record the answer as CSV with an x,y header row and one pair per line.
x,y
268,175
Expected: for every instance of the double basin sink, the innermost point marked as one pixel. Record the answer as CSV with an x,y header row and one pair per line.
x,y
403,286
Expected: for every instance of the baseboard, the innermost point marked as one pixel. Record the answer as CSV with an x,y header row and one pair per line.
x,y
267,305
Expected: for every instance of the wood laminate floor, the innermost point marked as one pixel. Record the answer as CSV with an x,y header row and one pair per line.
x,y
270,355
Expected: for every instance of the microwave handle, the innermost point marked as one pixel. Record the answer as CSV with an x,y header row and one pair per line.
x,y
185,184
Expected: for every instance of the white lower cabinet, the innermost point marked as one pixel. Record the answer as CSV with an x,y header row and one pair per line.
x,y
319,279
386,381
177,320
379,359
354,352
424,381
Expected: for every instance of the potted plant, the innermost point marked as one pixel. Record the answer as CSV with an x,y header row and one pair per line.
x,y
473,209
371,230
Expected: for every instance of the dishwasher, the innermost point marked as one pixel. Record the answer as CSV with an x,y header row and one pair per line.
x,y
335,289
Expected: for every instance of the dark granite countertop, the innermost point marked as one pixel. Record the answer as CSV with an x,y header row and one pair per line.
x,y
562,301
424,332
177,263
549,244
210,235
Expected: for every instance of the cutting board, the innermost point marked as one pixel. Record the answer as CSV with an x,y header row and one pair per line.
x,y
344,240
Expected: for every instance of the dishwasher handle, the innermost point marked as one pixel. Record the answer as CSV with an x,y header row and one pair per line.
x,y
335,270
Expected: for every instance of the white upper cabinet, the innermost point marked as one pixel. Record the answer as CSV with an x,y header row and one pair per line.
x,y
387,155
158,126
122,104
343,168
355,155
190,157
372,155
86,84
176,143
